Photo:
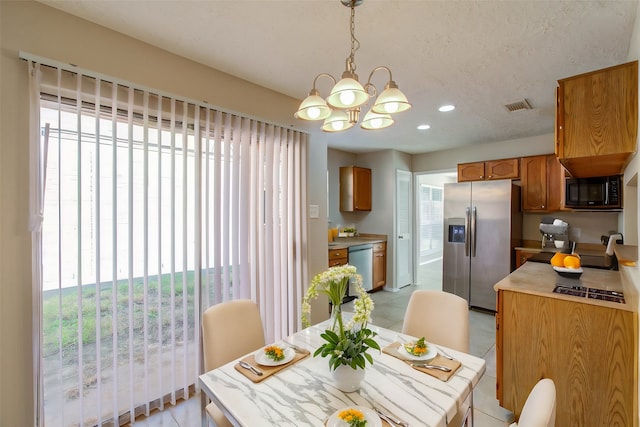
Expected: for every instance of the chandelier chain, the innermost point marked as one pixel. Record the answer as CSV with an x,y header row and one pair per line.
x,y
355,44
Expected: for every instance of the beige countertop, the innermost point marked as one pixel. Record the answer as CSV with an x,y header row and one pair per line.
x,y
345,242
591,249
540,279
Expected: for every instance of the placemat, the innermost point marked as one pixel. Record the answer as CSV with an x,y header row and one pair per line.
x,y
267,371
454,365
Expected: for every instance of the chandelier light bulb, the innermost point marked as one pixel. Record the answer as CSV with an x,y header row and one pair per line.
x,y
347,97
391,107
374,121
337,121
313,113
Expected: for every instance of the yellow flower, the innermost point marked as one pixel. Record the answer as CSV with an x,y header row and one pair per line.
x,y
274,352
352,416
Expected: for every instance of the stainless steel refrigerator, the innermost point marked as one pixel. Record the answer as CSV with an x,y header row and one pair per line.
x,y
482,226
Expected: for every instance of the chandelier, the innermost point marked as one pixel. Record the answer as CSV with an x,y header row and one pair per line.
x,y
341,109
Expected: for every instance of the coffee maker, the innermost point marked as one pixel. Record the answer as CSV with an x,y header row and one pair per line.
x,y
555,233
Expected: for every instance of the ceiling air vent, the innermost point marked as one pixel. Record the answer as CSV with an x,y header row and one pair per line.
x,y
520,105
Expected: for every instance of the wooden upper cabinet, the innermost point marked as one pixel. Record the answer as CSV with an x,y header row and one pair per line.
x,y
502,169
355,189
542,181
470,171
597,120
489,170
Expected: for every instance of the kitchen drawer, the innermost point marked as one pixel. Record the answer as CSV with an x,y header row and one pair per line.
x,y
338,261
338,257
380,247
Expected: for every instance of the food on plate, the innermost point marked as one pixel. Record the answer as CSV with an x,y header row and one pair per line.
x,y
418,348
353,417
558,259
572,261
274,353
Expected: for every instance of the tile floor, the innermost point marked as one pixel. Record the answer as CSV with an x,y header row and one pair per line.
x,y
389,312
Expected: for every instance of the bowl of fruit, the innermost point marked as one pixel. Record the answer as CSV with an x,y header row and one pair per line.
x,y
567,265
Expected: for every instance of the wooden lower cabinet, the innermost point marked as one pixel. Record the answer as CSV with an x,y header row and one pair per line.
x,y
589,351
338,257
379,265
523,256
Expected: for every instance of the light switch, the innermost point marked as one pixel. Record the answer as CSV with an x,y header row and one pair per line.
x,y
313,211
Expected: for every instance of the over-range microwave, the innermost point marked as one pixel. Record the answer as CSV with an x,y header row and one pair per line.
x,y
603,192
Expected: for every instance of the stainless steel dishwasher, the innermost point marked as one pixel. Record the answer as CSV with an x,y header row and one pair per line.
x,y
361,257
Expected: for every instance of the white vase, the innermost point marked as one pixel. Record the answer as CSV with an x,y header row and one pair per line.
x,y
348,379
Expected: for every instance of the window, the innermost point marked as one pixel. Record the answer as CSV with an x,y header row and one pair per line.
x,y
153,209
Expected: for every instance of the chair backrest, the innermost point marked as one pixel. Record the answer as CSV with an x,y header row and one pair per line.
x,y
441,317
540,407
230,330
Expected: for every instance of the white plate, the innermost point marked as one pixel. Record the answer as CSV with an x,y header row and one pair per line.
x,y
263,360
373,420
567,270
432,352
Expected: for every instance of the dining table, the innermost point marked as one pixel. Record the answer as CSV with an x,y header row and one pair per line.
x,y
303,393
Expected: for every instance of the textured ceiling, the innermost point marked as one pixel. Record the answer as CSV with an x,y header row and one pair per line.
x,y
478,55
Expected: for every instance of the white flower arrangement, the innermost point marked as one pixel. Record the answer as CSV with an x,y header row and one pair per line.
x,y
346,345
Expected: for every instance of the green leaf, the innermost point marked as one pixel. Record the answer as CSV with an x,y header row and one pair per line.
x,y
371,343
369,358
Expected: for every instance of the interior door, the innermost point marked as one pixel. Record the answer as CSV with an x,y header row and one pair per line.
x,y
403,253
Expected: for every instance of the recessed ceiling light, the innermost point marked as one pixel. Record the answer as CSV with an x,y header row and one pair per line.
x,y
445,108
423,127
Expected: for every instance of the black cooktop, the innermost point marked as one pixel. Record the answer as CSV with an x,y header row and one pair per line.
x,y
593,293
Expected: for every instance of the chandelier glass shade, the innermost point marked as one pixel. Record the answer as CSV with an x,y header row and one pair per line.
x,y
341,109
337,121
313,107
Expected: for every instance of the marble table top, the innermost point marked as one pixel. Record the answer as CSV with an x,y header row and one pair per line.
x,y
303,394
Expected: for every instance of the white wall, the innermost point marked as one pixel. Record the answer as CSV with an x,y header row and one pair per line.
x,y
449,159
380,220
335,160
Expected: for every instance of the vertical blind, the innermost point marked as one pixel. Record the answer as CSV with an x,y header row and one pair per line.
x,y
152,209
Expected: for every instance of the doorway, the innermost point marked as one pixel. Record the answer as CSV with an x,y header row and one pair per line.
x,y
429,197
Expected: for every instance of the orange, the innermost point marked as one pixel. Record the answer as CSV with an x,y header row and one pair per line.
x,y
558,259
572,261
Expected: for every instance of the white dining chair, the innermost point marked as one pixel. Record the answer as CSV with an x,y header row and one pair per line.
x,y
229,330
539,409
442,318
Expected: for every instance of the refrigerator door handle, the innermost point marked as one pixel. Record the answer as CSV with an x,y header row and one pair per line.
x,y
466,231
474,237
